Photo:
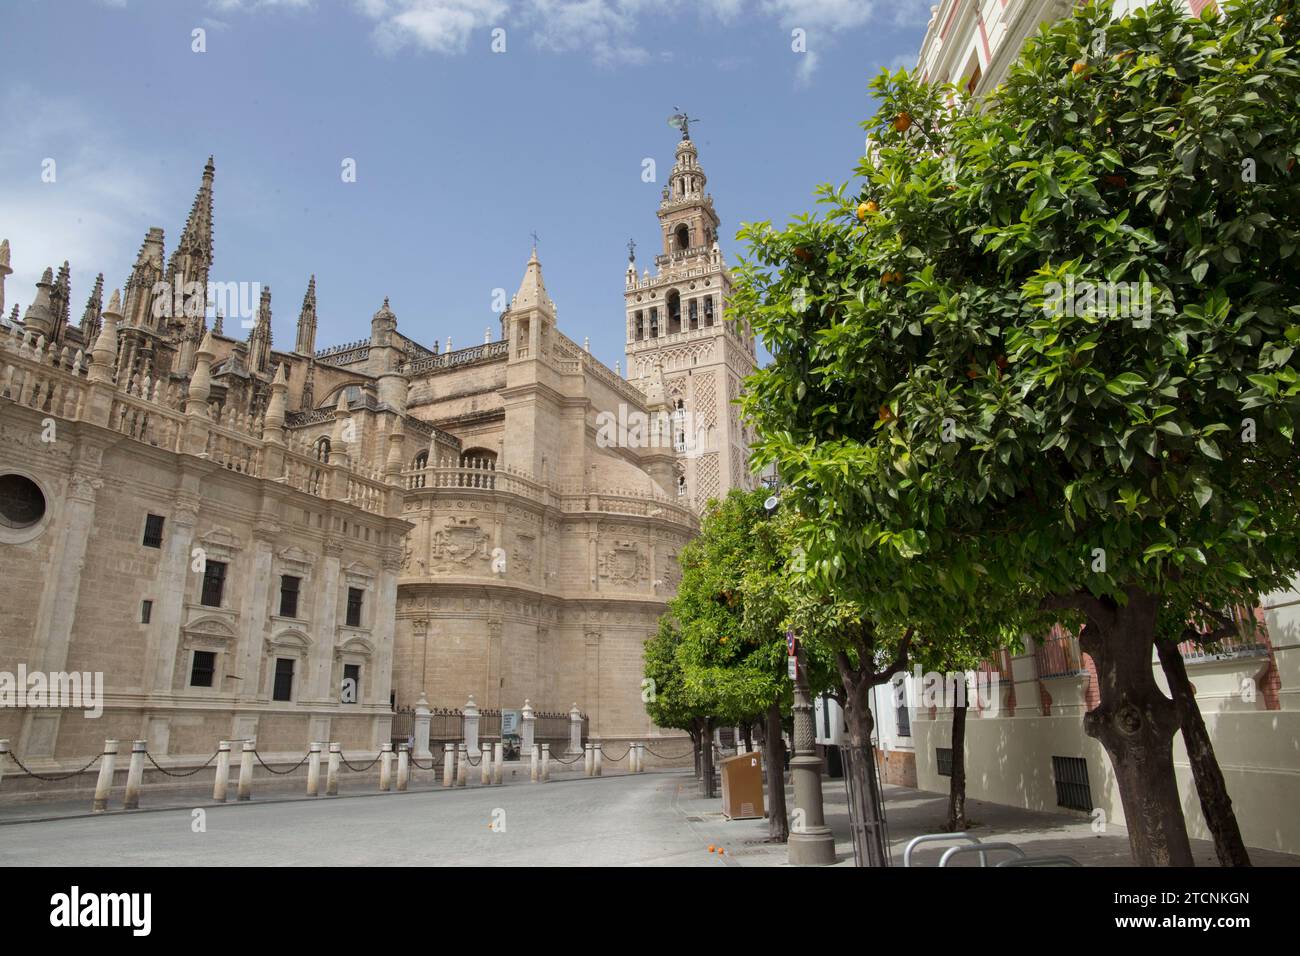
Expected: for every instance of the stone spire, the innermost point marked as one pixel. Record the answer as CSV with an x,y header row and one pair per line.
x,y
192,258
145,274
259,340
4,271
38,318
532,290
103,356
306,344
382,325
60,297
94,306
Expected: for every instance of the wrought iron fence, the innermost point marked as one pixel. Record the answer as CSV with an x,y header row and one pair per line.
x,y
446,725
1058,654
1251,639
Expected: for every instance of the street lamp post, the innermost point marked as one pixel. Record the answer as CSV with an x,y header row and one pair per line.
x,y
811,841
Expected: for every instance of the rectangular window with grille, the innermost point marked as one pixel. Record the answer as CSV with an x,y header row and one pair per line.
x,y
943,758
289,595
1071,776
153,528
354,606
146,611
202,668
904,721
214,583
283,679
351,684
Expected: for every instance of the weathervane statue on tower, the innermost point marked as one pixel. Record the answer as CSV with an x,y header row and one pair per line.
x,y
681,121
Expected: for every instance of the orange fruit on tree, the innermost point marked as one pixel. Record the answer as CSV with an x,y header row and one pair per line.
x,y
902,122
1079,68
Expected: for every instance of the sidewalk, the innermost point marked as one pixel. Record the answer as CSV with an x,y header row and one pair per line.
x,y
911,813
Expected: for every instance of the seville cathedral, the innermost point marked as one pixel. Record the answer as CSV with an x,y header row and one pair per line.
x,y
232,532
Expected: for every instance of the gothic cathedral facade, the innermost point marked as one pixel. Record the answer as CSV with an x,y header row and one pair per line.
x,y
286,544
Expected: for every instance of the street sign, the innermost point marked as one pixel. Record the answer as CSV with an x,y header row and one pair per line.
x,y
509,722
794,668
790,643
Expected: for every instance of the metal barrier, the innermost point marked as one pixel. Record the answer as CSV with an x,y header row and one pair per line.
x,y
983,849
936,838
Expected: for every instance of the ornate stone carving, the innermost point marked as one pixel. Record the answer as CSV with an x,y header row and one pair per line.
x,y
623,563
457,542
524,552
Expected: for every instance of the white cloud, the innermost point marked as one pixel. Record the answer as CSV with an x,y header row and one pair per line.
x,y
90,215
232,5
603,28
436,26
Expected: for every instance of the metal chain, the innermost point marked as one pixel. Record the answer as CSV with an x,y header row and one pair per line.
x,y
282,772
562,760
619,757
419,766
344,761
471,761
188,773
666,756
54,779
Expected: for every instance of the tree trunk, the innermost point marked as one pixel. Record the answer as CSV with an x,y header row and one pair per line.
x,y
860,771
1216,805
1136,724
778,822
747,735
957,822
706,749
695,747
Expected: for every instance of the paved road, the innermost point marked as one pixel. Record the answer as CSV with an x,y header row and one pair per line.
x,y
614,821
652,819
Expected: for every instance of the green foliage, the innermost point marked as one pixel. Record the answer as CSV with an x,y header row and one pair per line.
x,y
946,428
724,630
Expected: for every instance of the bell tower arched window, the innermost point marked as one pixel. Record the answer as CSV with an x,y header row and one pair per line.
x,y
674,311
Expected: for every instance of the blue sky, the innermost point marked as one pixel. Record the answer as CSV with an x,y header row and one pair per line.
x,y
460,152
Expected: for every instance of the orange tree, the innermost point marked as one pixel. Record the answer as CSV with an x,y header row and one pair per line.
x,y
1043,356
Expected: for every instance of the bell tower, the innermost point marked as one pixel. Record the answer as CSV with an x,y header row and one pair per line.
x,y
676,329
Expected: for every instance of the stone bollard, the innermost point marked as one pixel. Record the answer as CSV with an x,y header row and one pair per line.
x,y
599,757
222,780
403,767
546,762
448,764
135,775
499,764
469,723
527,722
462,765
535,755
386,766
4,752
103,785
332,771
631,758
575,729
422,717
640,758
246,771
588,760
313,770
485,764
